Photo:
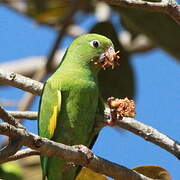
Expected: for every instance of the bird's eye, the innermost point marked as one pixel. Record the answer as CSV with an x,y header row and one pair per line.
x,y
95,43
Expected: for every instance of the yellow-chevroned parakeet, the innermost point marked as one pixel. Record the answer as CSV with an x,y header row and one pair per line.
x,y
70,103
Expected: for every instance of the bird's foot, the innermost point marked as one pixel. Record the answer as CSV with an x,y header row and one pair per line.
x,y
68,166
110,122
83,149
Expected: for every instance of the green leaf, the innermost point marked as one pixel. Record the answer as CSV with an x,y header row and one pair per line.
x,y
152,171
159,27
10,170
88,174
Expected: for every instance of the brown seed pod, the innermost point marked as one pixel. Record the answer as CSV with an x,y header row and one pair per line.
x,y
121,107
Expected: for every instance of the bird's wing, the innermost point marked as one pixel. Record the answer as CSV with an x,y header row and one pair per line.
x,y
49,109
50,105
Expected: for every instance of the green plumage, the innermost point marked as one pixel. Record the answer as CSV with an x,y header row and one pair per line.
x,y
70,102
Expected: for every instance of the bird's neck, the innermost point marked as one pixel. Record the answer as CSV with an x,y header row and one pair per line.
x,y
78,71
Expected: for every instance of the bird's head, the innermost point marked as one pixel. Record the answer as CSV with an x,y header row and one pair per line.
x,y
95,50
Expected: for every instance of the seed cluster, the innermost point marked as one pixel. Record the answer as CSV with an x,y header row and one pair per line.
x,y
121,108
109,59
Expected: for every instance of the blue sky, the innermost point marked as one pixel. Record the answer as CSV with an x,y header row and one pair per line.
x,y
157,77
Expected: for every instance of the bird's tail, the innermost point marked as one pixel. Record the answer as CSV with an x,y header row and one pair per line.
x,y
57,169
44,161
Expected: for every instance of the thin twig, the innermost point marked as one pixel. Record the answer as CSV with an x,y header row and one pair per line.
x,y
21,154
169,7
24,114
8,102
6,117
17,6
11,148
65,24
52,149
50,58
14,142
29,65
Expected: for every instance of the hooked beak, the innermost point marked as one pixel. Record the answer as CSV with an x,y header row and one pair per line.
x,y
108,59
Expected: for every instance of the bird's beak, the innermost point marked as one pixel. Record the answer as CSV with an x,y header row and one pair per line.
x,y
109,58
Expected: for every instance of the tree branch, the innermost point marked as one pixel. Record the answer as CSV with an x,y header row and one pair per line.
x,y
52,149
134,126
21,82
151,134
169,7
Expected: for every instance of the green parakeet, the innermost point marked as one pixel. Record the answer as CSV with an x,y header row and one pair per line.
x,y
70,103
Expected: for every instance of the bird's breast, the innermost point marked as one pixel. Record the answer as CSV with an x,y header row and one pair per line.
x,y
80,85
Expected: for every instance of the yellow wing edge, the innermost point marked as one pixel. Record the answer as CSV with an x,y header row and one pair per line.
x,y
54,116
